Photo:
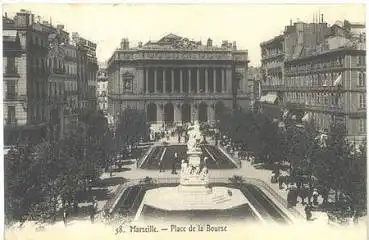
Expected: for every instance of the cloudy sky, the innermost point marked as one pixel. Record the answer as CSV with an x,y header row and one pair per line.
x,y
246,24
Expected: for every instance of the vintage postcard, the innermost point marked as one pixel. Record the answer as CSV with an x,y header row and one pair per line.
x,y
162,121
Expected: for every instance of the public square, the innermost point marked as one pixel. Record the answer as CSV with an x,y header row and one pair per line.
x,y
172,119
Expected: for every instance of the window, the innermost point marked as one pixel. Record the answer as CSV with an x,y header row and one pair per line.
x,y
361,79
11,115
362,103
362,125
10,66
10,91
361,60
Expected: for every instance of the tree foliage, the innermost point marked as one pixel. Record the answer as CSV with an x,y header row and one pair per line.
x,y
39,177
131,127
336,163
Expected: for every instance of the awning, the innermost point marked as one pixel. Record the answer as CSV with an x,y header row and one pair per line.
x,y
269,97
338,80
307,117
272,97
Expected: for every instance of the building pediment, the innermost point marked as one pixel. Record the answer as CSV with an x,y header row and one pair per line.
x,y
173,41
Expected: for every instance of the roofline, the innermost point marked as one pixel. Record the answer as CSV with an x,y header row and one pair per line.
x,y
278,37
337,50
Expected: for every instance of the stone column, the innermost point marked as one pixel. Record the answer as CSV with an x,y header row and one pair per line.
x,y
194,113
189,80
177,112
155,80
172,79
198,80
147,79
160,112
229,80
206,80
211,113
181,80
214,80
223,80
164,82
140,81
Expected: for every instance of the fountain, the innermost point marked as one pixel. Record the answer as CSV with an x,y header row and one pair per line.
x,y
193,192
193,173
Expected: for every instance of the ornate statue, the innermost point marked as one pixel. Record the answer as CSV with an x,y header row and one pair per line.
x,y
191,144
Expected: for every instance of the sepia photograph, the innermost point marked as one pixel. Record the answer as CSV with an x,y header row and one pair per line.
x,y
162,121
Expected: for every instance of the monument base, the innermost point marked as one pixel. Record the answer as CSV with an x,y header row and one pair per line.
x,y
194,189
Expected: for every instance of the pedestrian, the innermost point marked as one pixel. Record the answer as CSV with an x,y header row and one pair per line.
x,y
65,215
325,194
161,166
355,217
92,213
315,196
175,160
308,210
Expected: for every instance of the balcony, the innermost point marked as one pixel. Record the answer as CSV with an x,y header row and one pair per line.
x,y
11,96
171,96
279,87
315,108
11,72
11,122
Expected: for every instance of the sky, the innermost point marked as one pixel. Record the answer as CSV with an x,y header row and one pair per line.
x,y
247,24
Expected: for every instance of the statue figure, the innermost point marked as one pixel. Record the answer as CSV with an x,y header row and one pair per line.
x,y
191,144
204,173
184,166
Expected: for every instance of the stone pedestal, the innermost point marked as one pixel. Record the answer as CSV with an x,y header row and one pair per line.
x,y
194,157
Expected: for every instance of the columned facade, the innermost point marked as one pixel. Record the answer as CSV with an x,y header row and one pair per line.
x,y
165,81
175,83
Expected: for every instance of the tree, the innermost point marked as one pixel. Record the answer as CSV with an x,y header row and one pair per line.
x,y
131,127
337,157
356,182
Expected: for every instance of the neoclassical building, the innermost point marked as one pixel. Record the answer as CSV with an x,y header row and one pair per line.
x,y
178,80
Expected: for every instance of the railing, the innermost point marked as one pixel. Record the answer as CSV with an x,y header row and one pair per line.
x,y
11,122
148,153
112,203
11,96
11,71
234,160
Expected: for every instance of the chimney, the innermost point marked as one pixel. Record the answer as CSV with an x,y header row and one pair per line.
x,y
234,45
224,43
24,18
209,43
60,27
6,14
140,44
124,44
322,15
290,22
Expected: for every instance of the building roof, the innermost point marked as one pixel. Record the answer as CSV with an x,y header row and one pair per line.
x,y
11,40
277,38
350,47
172,41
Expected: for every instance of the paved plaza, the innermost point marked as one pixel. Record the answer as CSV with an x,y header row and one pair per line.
x,y
246,170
